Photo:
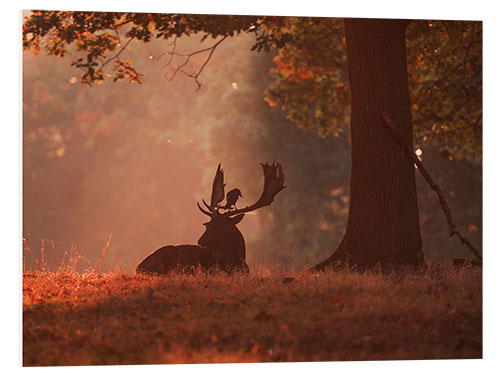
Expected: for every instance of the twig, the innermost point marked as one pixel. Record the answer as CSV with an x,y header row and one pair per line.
x,y
62,266
71,252
42,251
444,206
53,255
117,54
28,249
448,31
122,255
172,52
103,252
187,58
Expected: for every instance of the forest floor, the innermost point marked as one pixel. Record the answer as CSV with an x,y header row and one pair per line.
x,y
117,318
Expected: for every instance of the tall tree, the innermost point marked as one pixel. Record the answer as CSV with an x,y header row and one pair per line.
x,y
383,223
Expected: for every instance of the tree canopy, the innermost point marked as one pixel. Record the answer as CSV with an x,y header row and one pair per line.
x,y
310,81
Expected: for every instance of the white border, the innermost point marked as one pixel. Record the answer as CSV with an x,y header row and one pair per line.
x,y
11,168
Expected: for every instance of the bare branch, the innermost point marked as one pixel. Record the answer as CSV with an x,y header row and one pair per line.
x,y
187,58
174,46
117,55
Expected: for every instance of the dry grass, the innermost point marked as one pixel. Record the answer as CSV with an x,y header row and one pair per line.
x,y
115,318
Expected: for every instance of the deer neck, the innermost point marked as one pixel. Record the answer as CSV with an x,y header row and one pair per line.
x,y
231,251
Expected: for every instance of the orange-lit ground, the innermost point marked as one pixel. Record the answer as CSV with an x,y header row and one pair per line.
x,y
95,319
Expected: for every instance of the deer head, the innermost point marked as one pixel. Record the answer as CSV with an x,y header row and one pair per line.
x,y
221,232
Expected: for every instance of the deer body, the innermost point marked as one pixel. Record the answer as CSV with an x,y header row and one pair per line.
x,y
181,257
222,245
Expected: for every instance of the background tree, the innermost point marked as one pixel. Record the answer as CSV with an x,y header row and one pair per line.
x,y
87,30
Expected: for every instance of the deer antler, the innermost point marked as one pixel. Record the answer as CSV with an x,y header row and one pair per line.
x,y
217,193
217,188
273,184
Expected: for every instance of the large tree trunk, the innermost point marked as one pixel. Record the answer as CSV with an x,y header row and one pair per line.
x,y
383,224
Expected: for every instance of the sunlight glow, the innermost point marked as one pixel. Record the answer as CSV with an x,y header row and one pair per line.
x,y
336,192
60,151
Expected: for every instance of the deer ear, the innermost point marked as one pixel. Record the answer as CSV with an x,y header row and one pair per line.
x,y
235,220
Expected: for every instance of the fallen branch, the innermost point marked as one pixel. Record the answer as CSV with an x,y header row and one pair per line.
x,y
398,134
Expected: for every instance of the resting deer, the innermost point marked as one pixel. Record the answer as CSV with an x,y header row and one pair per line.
x,y
222,245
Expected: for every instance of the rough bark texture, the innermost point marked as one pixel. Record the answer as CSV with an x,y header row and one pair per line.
x,y
383,223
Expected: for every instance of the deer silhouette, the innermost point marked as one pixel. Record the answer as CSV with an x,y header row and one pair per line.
x,y
222,245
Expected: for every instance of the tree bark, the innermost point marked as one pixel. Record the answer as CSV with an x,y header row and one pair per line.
x,y
383,223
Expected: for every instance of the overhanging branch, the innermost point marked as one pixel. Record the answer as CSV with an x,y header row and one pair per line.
x,y
187,58
117,54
